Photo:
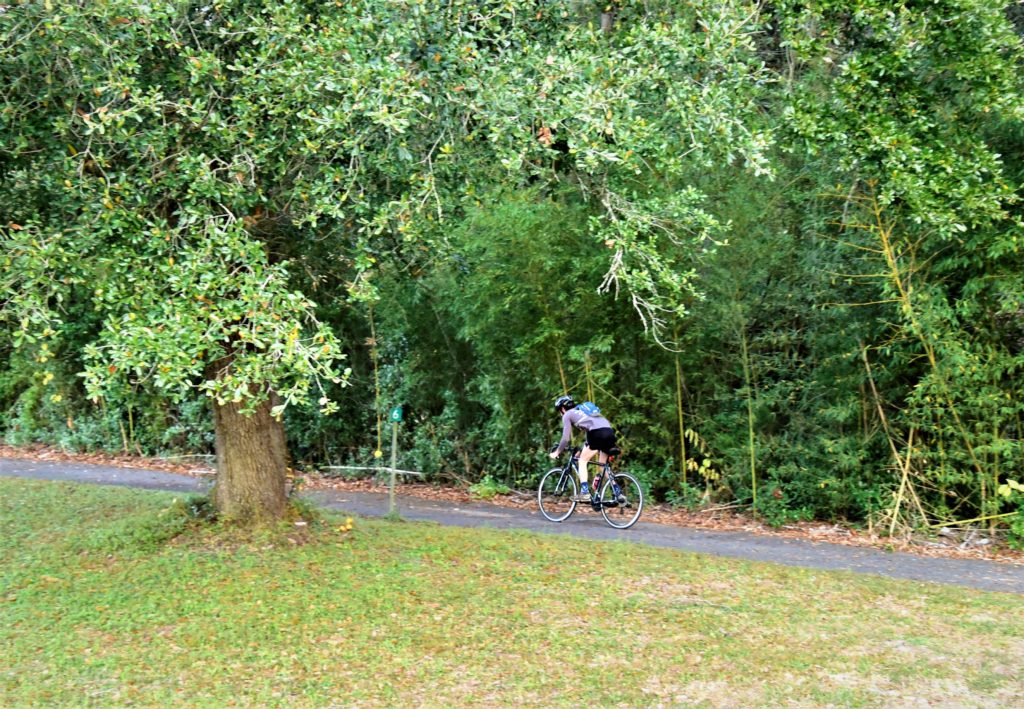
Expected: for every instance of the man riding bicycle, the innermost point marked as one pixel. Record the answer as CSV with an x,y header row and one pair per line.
x,y
600,436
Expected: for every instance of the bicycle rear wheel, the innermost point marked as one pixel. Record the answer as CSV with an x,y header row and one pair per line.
x,y
621,508
556,495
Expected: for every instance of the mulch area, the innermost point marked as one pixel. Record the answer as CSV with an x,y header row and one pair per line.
x,y
961,544
183,465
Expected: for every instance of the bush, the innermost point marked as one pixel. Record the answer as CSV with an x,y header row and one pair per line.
x,y
437,442
58,414
775,509
1013,492
1016,537
688,497
488,488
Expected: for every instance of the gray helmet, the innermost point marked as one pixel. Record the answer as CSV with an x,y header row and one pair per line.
x,y
564,400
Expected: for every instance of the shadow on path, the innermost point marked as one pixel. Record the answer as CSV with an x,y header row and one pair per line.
x,y
979,574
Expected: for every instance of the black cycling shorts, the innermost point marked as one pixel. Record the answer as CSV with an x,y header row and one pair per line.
x,y
601,439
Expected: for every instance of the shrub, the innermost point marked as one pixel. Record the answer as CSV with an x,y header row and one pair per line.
x,y
776,509
488,488
1013,492
688,497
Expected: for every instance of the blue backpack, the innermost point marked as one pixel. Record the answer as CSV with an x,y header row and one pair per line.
x,y
590,408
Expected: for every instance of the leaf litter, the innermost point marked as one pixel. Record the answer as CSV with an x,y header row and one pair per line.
x,y
715,518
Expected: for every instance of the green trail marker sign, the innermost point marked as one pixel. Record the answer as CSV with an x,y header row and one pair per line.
x,y
396,418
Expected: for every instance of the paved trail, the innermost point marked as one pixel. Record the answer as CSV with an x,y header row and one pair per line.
x,y
985,575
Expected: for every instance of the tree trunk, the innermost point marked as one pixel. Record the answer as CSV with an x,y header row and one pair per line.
x,y
252,461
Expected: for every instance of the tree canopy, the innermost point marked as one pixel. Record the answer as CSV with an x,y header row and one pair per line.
x,y
780,240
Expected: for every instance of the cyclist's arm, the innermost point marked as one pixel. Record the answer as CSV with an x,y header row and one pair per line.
x,y
566,431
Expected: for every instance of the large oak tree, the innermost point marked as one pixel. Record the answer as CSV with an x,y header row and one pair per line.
x,y
161,160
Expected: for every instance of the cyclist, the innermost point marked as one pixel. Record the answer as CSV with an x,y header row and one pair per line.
x,y
600,437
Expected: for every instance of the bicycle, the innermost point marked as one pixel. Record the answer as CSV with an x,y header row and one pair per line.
x,y
618,495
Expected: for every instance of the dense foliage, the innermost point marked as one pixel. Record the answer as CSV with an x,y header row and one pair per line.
x,y
780,244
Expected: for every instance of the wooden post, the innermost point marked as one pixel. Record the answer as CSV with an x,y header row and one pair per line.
x,y
396,418
394,464
607,21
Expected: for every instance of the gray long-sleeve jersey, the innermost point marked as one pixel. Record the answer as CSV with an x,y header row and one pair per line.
x,y
575,417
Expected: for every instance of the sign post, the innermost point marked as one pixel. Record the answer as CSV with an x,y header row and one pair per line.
x,y
396,418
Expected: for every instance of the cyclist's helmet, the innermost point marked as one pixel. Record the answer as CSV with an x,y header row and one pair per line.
x,y
564,400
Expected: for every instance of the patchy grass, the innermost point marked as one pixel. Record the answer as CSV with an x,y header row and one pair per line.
x,y
403,614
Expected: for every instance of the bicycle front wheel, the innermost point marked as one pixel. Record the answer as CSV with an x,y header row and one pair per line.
x,y
556,495
622,501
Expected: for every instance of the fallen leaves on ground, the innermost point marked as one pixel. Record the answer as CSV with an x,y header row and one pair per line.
x,y
196,465
719,519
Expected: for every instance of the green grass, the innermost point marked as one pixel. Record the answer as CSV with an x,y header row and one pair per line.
x,y
96,609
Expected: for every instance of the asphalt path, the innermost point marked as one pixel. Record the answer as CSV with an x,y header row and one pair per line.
x,y
974,573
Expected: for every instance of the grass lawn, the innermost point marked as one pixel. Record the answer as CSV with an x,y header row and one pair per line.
x,y
94,610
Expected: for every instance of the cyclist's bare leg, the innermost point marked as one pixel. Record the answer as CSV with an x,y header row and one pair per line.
x,y
585,455
602,459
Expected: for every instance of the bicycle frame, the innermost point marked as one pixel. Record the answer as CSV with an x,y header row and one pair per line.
x,y
571,467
